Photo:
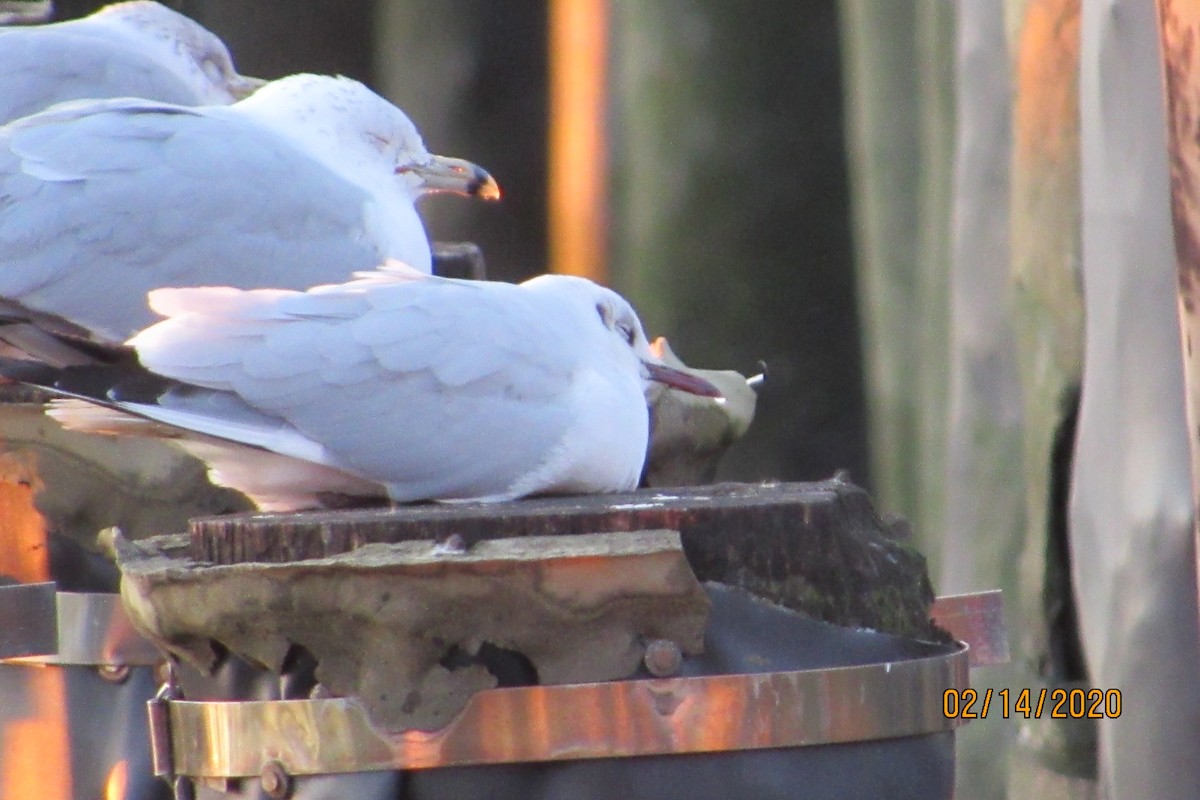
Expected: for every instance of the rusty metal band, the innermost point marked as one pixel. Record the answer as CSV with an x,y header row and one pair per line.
x,y
70,629
977,619
556,723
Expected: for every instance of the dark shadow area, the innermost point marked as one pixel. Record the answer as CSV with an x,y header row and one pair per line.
x,y
1064,660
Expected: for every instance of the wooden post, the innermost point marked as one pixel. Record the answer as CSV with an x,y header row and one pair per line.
x,y
578,185
1179,24
899,80
1131,511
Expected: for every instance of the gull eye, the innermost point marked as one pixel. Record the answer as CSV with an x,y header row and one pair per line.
x,y
627,331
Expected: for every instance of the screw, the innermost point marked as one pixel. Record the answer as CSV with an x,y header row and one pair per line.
x,y
113,673
663,658
275,780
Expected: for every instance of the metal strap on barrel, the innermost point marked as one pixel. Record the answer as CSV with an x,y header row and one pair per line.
x,y
42,626
221,740
555,723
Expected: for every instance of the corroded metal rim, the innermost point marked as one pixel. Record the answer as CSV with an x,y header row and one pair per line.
x,y
556,723
71,629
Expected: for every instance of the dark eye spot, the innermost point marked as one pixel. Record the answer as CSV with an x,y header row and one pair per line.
x,y
627,330
605,314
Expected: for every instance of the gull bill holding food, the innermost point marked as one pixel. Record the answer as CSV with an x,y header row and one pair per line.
x,y
135,49
396,384
306,181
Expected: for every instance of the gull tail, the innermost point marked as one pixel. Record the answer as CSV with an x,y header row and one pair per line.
x,y
54,341
85,416
261,456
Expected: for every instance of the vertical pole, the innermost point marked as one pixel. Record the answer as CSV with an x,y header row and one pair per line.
x,y
899,84
1131,509
578,186
1179,25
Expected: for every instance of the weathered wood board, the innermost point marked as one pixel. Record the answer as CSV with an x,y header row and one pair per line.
x,y
818,548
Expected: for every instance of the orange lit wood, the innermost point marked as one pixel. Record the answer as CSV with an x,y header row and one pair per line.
x,y
36,758
578,144
36,750
23,551
1045,224
1179,27
1046,101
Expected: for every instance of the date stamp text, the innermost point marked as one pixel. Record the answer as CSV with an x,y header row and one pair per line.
x,y
1060,703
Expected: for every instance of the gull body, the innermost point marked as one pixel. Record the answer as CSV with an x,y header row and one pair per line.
x,y
135,49
303,183
397,383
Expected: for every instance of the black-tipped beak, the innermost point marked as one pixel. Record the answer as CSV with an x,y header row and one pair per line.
x,y
454,176
678,379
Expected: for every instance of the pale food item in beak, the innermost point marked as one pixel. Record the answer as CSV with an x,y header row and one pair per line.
x,y
689,433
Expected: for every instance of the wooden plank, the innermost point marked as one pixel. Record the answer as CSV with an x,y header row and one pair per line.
x,y
819,548
406,627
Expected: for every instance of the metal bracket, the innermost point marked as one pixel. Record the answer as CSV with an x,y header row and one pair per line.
x,y
41,626
552,723
976,619
224,740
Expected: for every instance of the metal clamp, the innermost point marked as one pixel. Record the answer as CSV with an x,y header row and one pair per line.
x,y
978,620
41,626
554,723
279,739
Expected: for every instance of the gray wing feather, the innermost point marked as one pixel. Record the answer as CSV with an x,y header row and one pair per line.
x,y
398,420
181,198
40,67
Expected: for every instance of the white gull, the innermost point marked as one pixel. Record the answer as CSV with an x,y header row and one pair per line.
x,y
305,182
397,383
136,49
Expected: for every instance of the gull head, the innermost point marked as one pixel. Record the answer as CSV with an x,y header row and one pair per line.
x,y
361,135
613,327
183,47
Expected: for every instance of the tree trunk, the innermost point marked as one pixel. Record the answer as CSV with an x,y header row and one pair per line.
x,y
900,121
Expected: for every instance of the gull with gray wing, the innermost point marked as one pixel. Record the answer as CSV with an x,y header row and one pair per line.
x,y
305,182
396,384
135,49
